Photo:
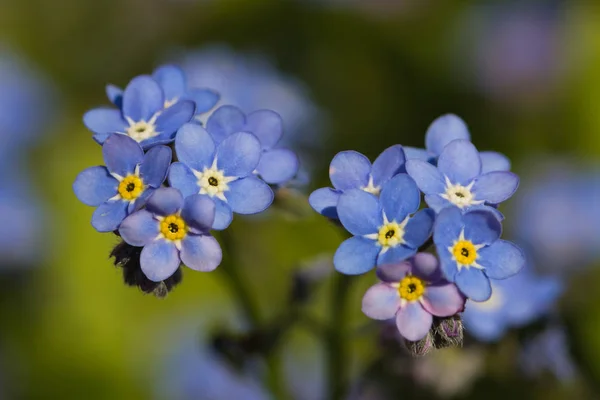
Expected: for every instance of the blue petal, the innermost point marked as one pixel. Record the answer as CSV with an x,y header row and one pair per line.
x,y
381,302
108,216
104,120
142,98
443,130
356,256
165,201
100,138
501,260
483,207
115,95
400,196
155,165
238,154
199,212
225,121
201,253
223,214
159,260
93,186
426,266
141,201
395,255
139,228
205,99
182,178
482,227
389,163
447,227
419,228
437,203
360,212
172,81
324,201
448,266
427,177
460,162
249,195
413,321
163,138
174,117
122,154
349,170
277,166
492,161
495,187
414,153
266,125
474,284
194,147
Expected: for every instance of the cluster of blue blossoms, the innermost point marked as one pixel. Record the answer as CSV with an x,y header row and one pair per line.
x,y
166,210
379,204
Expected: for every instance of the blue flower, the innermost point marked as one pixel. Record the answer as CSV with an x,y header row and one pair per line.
x,y
129,178
458,179
412,292
173,230
223,171
384,231
277,165
444,130
142,115
471,252
352,170
515,302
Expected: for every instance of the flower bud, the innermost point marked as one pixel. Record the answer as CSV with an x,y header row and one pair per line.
x,y
448,331
421,347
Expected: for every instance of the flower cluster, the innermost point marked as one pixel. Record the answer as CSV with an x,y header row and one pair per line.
x,y
165,211
379,204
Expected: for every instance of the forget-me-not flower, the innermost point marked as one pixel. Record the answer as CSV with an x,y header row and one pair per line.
x,y
277,165
172,230
384,231
471,252
352,170
515,302
129,178
458,179
412,292
142,115
223,171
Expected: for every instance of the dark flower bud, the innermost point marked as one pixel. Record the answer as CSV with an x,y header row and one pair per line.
x,y
448,332
420,348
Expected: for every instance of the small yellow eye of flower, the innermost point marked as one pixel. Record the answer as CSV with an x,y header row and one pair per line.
x,y
131,187
390,234
173,227
464,252
411,288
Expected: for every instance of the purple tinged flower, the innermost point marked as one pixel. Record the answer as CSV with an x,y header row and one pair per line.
x,y
412,292
515,302
383,228
459,180
352,170
223,171
124,184
277,165
471,252
172,230
142,115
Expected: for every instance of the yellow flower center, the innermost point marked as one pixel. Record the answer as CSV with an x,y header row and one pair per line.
x,y
411,288
464,252
390,234
173,227
131,187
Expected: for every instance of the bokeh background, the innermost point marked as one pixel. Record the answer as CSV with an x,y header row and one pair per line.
x,y
344,74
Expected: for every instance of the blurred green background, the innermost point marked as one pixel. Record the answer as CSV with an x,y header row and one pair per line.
x,y
379,72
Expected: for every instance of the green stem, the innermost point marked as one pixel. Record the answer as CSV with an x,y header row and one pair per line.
x,y
337,361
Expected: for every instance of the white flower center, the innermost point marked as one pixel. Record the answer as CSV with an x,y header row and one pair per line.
x,y
169,103
460,196
371,188
213,182
141,130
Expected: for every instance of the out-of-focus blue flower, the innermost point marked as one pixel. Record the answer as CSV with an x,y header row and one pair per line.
x,y
444,130
458,179
352,170
515,302
173,230
277,165
129,178
142,115
412,292
471,252
549,351
384,231
223,171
